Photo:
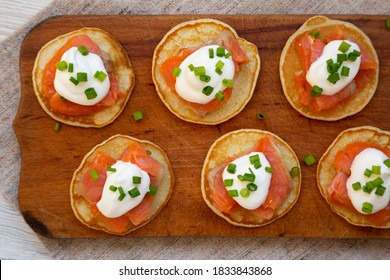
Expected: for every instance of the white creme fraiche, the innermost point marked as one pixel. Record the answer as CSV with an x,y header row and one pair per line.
x,y
190,87
262,180
81,63
318,73
365,160
109,204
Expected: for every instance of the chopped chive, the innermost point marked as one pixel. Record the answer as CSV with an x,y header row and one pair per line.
x,y
352,56
316,91
152,190
260,116
333,67
367,172
136,180
176,71
294,172
111,169
121,196
205,78
138,115
70,67
228,83
231,168
57,126
149,152
220,51
269,169
233,193
134,192
240,177
211,53
219,64
341,57
219,95
309,160
94,175
83,50
82,77
200,70
218,71
255,158
245,193
191,67
333,78
344,47
356,186
90,93
249,177
376,169
329,61
228,182
368,187
252,187
73,80
377,182
387,24
121,191
100,75
257,165
113,188
380,190
250,170
367,207
207,90
62,65
315,33
387,162
228,54
345,71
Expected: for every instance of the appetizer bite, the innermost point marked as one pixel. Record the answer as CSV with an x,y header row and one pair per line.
x,y
83,78
203,72
329,69
354,176
250,177
121,185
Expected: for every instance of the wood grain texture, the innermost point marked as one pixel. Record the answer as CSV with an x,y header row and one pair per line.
x,y
49,158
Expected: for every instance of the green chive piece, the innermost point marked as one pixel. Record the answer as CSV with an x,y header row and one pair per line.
x,y
344,47
356,186
136,180
367,172
233,193
345,71
90,93
377,182
260,116
221,51
149,152
70,67
315,33
94,175
191,67
219,95
387,24
228,182
367,207
134,192
257,165
63,99
333,78
100,75
113,188
219,64
200,70
83,50
73,80
376,169
152,190
240,177
218,71
62,65
269,169
309,160
211,53
368,187
380,190
229,54
294,172
250,170
57,126
121,196
205,78
231,168
207,90
176,71
333,67
255,158
82,77
245,193
352,56
341,57
228,83
252,187
329,61
138,115
249,177
316,91
111,169
387,162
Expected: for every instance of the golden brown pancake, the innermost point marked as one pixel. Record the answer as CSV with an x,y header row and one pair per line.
x,y
290,63
196,33
114,147
238,143
119,64
326,170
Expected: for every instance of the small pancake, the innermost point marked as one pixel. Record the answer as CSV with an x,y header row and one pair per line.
x,y
326,170
236,143
120,65
290,63
196,33
114,146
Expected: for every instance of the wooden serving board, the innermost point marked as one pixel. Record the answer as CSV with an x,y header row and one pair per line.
x,y
49,158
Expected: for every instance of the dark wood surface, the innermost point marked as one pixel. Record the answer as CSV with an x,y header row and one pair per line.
x,y
49,158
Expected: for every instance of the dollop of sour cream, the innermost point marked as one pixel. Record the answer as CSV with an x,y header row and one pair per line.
x,y
190,87
318,73
365,160
109,204
262,180
84,64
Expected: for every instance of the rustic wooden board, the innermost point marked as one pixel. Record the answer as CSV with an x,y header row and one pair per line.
x,y
49,158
